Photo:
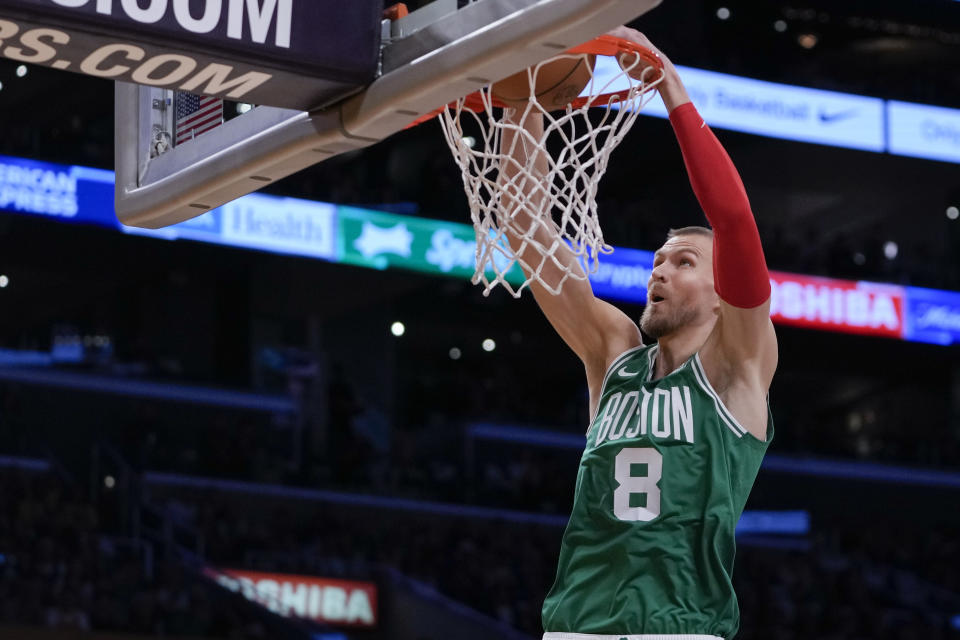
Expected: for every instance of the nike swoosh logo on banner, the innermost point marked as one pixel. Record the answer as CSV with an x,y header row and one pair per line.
x,y
627,374
827,118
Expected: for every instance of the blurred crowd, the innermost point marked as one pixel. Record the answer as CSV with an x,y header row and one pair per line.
x,y
438,457
65,562
841,584
837,593
59,568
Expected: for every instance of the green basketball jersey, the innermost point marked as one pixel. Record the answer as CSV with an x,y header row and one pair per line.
x,y
662,482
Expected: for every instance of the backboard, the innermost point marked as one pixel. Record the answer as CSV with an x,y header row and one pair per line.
x,y
429,58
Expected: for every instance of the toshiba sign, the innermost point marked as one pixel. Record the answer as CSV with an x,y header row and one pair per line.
x,y
336,602
837,305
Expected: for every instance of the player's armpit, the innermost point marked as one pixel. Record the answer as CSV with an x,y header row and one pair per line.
x,y
740,358
595,330
747,339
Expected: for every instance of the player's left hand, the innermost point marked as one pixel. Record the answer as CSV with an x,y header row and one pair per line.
x,y
637,68
671,87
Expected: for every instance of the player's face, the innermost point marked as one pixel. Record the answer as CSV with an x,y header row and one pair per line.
x,y
680,290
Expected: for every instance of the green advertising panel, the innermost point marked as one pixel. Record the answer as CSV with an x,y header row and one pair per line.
x,y
384,240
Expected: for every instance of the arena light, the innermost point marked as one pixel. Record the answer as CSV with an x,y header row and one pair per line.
x,y
455,353
244,107
780,26
723,13
4,281
953,213
489,345
109,482
21,70
807,40
398,329
890,249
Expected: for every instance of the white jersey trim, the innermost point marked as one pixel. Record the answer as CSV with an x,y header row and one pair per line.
x,y
616,363
651,361
620,636
613,365
725,416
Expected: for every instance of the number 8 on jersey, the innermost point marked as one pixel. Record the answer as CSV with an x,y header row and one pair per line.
x,y
633,482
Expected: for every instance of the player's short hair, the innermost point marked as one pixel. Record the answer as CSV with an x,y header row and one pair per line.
x,y
706,232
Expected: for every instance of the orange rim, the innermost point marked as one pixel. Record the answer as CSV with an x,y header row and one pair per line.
x,y
395,12
601,46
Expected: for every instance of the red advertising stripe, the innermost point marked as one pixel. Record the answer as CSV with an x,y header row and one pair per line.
x,y
338,602
829,304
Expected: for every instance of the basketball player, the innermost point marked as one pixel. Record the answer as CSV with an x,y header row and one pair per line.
x,y
679,427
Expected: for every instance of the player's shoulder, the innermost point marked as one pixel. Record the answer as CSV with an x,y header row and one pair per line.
x,y
620,330
636,359
620,339
735,355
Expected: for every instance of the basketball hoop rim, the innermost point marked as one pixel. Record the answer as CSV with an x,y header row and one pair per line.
x,y
604,45
615,47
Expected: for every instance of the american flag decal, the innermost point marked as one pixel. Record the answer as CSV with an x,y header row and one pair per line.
x,y
196,114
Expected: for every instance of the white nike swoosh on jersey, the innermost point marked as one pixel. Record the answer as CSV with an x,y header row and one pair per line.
x,y
627,374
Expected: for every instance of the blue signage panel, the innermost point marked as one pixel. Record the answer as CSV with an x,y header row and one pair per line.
x,y
923,131
69,194
773,109
623,275
259,221
777,522
932,316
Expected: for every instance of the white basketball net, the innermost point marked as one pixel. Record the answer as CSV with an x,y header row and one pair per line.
x,y
547,212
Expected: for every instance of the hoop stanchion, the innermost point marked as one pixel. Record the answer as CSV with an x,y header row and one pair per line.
x,y
534,207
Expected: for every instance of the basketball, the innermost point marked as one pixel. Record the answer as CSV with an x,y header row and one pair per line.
x,y
558,82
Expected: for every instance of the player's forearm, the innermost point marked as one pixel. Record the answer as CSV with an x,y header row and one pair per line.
x,y
522,213
740,270
520,177
671,88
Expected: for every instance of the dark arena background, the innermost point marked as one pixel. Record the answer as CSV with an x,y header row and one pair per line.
x,y
308,424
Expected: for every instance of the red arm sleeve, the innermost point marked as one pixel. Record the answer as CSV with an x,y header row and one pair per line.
x,y
739,268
